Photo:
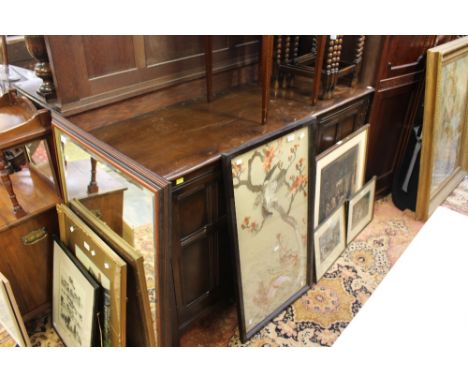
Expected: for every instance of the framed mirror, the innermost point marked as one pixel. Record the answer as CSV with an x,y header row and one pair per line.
x,y
122,203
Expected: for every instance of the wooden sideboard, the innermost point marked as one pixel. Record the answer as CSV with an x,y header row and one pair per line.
x,y
183,144
171,141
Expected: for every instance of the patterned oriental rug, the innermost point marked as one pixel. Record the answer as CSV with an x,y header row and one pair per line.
x,y
321,315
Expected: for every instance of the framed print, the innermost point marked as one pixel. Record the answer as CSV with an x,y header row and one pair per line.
x,y
267,183
360,210
10,316
444,153
138,307
75,299
330,240
105,266
340,173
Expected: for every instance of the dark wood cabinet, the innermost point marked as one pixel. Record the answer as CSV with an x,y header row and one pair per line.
x,y
398,86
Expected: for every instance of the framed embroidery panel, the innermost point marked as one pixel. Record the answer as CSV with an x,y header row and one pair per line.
x,y
105,266
360,210
444,152
340,173
75,300
330,240
268,192
10,315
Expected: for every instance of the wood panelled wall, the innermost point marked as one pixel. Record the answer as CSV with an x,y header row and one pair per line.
x,y
91,71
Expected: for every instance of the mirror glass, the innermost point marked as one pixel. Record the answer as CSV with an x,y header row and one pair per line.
x,y
39,159
123,205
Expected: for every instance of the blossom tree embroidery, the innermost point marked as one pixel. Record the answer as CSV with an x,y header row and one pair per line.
x,y
282,182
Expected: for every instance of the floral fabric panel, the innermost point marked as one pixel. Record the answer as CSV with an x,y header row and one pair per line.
x,y
270,193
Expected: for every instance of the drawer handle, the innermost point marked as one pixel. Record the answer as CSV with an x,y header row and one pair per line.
x,y
34,237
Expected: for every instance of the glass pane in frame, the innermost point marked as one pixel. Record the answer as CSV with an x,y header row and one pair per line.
x,y
125,206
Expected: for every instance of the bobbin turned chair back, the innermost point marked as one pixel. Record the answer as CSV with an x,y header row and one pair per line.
x,y
324,59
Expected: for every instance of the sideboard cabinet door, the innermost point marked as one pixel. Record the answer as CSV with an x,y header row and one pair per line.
x,y
200,260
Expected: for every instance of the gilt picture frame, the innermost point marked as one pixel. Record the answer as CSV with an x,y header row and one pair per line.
x,y
75,300
10,316
330,240
360,209
141,329
268,187
105,266
444,152
340,173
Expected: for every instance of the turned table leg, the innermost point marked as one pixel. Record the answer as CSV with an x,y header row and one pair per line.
x,y
93,186
5,176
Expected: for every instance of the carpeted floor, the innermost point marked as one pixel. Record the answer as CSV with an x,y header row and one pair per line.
x,y
318,317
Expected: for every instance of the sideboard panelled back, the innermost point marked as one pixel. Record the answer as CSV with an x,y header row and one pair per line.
x,y
91,71
399,86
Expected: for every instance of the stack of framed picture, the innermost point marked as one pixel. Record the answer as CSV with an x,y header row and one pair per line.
x,y
343,204
444,153
288,215
268,186
89,288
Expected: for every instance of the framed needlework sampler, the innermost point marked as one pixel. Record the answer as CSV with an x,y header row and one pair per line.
x,y
444,153
268,192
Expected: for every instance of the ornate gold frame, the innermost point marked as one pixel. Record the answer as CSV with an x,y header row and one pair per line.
x,y
436,58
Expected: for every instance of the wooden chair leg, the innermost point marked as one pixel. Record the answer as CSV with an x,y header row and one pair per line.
x,y
358,59
267,63
209,67
319,57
